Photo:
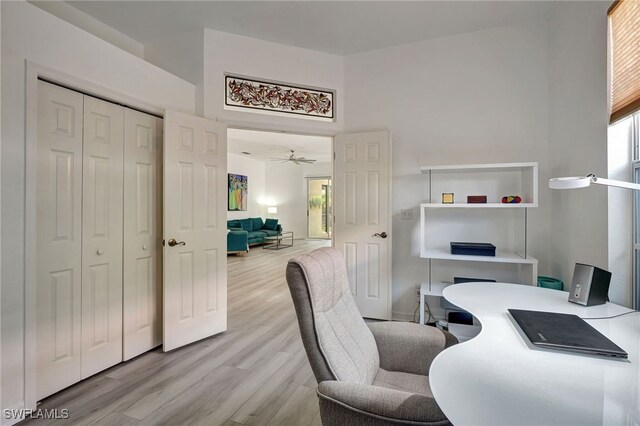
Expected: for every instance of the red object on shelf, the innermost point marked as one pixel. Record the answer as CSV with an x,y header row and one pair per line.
x,y
476,199
511,199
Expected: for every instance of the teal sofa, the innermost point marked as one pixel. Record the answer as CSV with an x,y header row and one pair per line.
x,y
246,232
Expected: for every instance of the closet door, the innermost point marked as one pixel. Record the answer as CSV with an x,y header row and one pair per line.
x,y
102,211
142,233
59,240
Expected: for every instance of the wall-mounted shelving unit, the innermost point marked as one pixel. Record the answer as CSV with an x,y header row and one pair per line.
x,y
504,225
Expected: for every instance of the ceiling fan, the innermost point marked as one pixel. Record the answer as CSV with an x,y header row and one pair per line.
x,y
294,159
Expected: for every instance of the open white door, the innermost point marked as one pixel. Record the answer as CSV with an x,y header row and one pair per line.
x,y
362,206
194,254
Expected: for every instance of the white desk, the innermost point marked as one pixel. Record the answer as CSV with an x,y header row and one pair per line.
x,y
497,378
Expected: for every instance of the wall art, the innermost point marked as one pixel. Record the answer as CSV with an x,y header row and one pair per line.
x,y
257,95
238,188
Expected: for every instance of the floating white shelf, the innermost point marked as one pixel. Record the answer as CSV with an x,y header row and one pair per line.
x,y
467,168
477,206
500,257
461,221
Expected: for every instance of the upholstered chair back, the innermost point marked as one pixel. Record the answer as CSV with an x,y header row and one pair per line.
x,y
339,344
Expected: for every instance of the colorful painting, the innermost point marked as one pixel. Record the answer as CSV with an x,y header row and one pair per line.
x,y
280,98
237,192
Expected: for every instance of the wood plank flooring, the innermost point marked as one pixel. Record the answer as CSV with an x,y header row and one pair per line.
x,y
256,373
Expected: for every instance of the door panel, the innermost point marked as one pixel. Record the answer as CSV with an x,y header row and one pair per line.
x,y
142,268
59,245
362,202
102,213
195,277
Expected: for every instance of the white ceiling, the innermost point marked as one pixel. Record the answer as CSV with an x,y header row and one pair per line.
x,y
264,145
337,27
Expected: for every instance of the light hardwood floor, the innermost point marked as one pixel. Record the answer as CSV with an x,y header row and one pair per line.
x,y
256,373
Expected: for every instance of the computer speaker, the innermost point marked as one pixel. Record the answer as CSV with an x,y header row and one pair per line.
x,y
590,285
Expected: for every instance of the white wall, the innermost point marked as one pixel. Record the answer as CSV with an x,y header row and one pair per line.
x,y
91,25
182,56
473,98
320,169
255,172
230,53
287,187
30,33
578,121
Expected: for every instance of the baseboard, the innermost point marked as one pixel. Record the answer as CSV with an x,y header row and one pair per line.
x,y
6,413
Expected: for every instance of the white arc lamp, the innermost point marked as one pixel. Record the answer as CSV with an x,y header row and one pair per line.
x,y
575,182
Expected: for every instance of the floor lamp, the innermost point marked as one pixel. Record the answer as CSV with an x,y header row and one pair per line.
x,y
272,211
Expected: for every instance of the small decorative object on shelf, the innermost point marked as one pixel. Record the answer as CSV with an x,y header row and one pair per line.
x,y
473,249
447,198
477,199
511,199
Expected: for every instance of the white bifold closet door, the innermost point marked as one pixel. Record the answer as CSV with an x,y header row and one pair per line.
x,y
59,238
102,186
142,236
79,237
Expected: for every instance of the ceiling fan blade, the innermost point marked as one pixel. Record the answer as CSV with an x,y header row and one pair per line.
x,y
295,162
308,161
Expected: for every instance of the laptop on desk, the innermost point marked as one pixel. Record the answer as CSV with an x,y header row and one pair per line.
x,y
564,332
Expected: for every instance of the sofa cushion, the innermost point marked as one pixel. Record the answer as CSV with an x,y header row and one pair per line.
x,y
271,224
256,235
257,223
268,233
233,224
247,225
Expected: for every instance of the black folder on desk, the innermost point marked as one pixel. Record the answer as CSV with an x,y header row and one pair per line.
x,y
564,332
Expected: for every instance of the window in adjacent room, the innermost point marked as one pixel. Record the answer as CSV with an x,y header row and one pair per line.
x,y
634,137
623,143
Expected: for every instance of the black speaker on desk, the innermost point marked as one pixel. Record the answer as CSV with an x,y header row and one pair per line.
x,y
590,285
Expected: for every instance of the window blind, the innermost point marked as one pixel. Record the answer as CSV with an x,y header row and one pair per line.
x,y
624,16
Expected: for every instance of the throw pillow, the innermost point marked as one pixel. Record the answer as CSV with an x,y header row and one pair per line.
x,y
257,223
271,224
247,224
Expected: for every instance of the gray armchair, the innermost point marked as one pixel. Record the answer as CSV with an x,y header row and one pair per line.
x,y
368,374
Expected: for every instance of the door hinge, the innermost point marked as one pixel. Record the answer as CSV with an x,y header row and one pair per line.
x,y
334,155
162,243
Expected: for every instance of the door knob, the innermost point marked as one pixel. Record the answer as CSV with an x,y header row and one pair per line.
x,y
172,243
144,247
380,234
100,252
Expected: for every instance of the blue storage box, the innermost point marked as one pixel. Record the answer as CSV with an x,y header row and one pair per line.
x,y
473,249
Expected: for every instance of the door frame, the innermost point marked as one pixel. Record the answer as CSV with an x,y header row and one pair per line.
x,y
320,177
35,72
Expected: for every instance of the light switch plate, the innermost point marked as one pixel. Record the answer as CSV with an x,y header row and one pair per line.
x,y
406,214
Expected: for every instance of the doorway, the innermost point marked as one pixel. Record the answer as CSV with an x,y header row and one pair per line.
x,y
319,208
274,168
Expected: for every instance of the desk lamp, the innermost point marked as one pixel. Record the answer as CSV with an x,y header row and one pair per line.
x,y
575,182
590,285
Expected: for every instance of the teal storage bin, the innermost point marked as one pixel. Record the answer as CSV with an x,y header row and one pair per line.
x,y
550,282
